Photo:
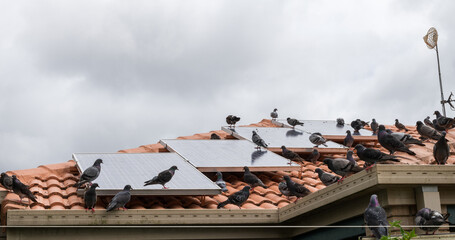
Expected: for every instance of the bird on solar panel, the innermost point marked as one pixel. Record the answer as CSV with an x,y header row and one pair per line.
x,y
427,132
373,156
258,141
326,178
445,122
220,182
237,198
292,156
90,198
374,126
232,120
340,122
428,122
317,139
441,150
294,122
342,167
6,181
427,217
400,126
214,136
314,156
252,179
163,177
357,125
274,114
90,174
296,189
120,199
391,143
405,138
22,190
348,140
375,216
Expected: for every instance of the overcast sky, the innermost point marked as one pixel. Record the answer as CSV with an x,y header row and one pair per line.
x,y
101,76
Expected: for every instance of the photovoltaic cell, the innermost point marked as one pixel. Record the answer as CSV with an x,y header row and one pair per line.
x,y
120,169
228,155
325,127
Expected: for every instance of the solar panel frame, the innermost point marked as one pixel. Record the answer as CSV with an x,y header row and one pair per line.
x,y
325,127
129,166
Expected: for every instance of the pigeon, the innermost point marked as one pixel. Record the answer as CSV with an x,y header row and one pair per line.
x,y
428,217
258,141
400,126
390,143
294,122
283,187
374,126
237,198
441,150
437,126
428,122
252,179
120,199
296,189
427,132
405,138
292,156
372,156
326,178
6,181
376,216
163,177
348,140
340,122
342,167
90,174
22,190
358,124
317,139
444,122
214,136
314,156
90,198
232,120
274,114
220,182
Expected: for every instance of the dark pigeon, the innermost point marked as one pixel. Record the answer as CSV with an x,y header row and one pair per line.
x,y
22,190
296,189
274,114
258,141
427,217
292,156
317,139
214,136
90,174
400,126
90,198
326,178
348,140
357,125
372,156
6,181
163,177
441,150
232,120
374,126
252,179
220,182
437,126
283,187
120,199
428,122
405,138
390,143
375,215
427,132
342,167
444,122
294,122
237,198
314,156
340,122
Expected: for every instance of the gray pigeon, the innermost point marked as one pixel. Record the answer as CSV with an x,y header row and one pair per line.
x,y
340,122
427,217
441,150
90,174
274,114
428,122
405,138
326,178
296,189
283,187
252,179
6,181
372,156
376,216
90,198
444,122
258,141
342,167
237,198
374,126
294,122
317,139
427,132
437,126
348,140
232,120
22,190
314,156
163,177
292,156
120,199
400,126
220,182
391,143
214,136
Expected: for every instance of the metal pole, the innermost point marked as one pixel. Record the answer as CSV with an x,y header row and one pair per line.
x,y
440,84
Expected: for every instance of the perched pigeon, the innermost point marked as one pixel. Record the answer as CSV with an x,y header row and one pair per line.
x,y
400,126
348,140
237,198
444,122
427,132
294,122
214,136
427,217
390,143
292,156
258,141
428,122
163,177
6,181
376,216
296,189
437,126
90,198
283,187
22,190
326,178
317,139
252,179
220,182
314,156
441,150
342,167
358,124
120,199
351,158
90,174
340,122
374,126
232,120
373,156
274,114
405,138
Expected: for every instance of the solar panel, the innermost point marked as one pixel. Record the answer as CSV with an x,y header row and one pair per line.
x,y
325,127
228,155
120,169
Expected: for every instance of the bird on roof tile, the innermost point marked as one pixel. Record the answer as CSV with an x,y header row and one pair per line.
x,y
373,156
237,198
292,156
445,122
374,126
427,132
214,136
220,182
6,181
296,189
90,174
120,199
348,140
314,156
22,190
252,179
428,122
441,150
90,197
162,177
400,126
326,178
390,143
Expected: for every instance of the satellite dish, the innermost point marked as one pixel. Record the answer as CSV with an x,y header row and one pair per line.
x,y
431,39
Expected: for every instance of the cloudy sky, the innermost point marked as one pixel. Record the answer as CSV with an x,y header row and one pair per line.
x,y
101,76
